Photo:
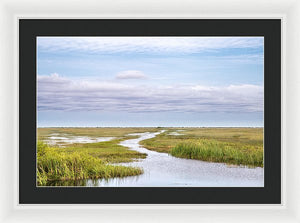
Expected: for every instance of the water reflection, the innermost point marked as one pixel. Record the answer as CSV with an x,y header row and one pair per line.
x,y
68,183
94,182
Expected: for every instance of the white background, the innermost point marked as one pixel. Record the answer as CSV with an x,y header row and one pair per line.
x,y
287,10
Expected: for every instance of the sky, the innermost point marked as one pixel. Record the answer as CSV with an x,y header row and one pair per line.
x,y
150,81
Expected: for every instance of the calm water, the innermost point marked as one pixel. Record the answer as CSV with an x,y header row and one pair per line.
x,y
163,170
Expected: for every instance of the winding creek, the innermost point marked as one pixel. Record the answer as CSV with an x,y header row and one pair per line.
x,y
163,170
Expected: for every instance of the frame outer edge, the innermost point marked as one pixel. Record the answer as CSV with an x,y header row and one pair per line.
x,y
293,106
291,200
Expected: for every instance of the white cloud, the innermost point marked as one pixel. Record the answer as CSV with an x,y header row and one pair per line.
x,y
146,44
131,74
58,93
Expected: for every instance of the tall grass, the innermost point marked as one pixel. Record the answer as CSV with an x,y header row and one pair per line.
x,y
215,151
53,165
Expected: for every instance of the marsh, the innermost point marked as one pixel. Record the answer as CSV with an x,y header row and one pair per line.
x,y
157,166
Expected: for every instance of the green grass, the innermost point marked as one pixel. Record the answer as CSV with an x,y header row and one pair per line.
x,y
224,152
70,164
56,165
109,151
240,146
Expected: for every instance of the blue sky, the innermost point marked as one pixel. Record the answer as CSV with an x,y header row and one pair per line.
x,y
150,81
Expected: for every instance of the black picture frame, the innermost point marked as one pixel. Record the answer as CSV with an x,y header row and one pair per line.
x,y
29,29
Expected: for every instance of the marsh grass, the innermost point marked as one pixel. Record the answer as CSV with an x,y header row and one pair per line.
x,y
78,161
224,152
110,151
240,146
56,165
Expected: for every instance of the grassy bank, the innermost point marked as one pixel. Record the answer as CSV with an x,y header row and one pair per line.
x,y
109,151
78,161
224,152
54,164
240,146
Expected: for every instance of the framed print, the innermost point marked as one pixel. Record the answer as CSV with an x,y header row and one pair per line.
x,y
150,111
